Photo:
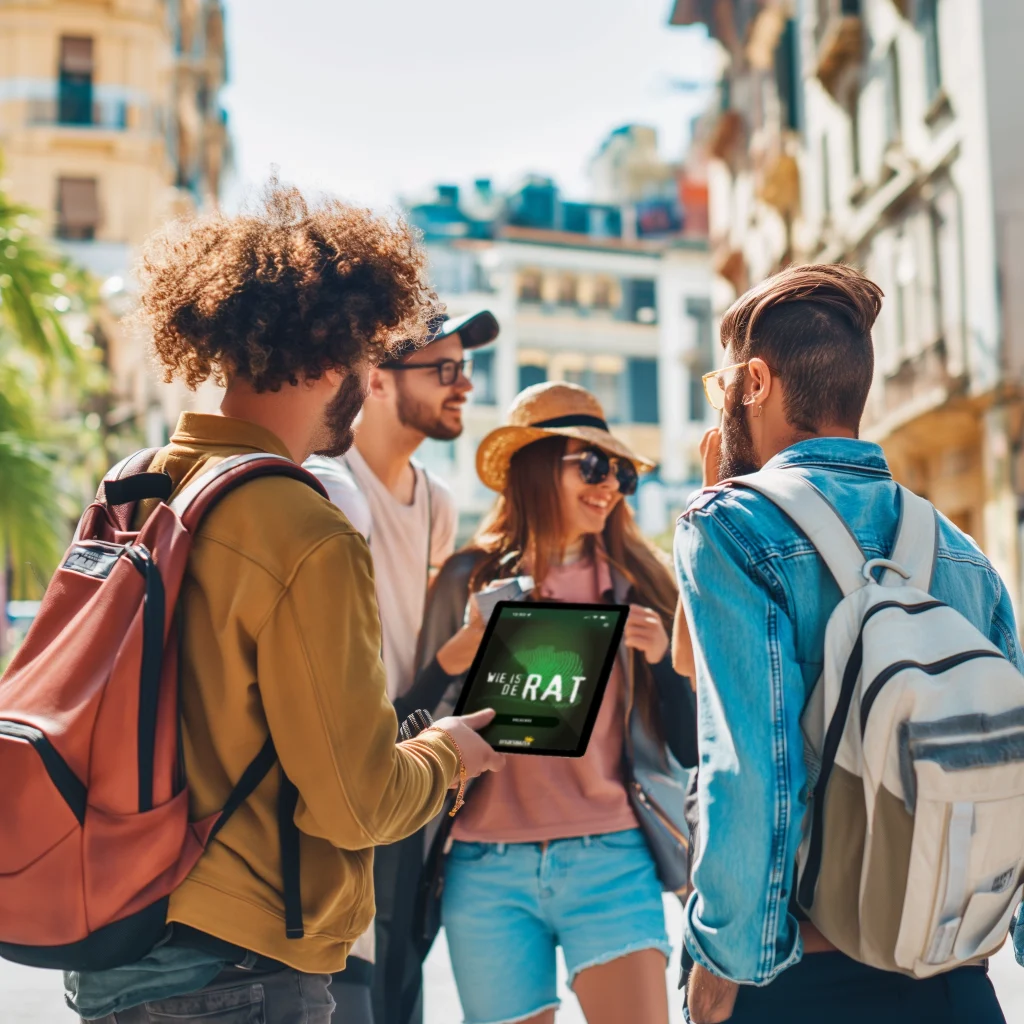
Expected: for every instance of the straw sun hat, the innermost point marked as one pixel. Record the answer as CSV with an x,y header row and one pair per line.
x,y
546,410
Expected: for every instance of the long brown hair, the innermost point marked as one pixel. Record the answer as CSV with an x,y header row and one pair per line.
x,y
524,532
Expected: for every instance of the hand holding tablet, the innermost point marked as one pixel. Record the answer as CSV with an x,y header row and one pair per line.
x,y
543,667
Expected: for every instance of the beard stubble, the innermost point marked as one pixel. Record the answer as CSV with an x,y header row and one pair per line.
x,y
419,416
737,456
339,416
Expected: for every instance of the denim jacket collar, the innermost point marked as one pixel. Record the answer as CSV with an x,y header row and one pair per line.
x,y
836,453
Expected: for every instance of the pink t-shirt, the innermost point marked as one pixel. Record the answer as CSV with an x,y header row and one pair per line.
x,y
538,798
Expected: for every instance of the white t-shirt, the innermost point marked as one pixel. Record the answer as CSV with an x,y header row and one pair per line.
x,y
398,536
406,541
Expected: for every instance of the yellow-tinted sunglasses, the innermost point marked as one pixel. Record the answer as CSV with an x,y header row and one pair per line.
x,y
715,384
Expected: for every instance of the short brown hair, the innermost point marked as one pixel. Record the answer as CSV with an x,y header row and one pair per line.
x,y
812,326
282,292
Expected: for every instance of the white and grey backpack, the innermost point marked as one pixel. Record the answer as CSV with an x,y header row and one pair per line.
x,y
913,856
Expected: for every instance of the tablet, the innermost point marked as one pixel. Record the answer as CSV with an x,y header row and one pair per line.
x,y
543,666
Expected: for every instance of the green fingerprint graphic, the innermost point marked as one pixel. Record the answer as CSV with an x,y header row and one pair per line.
x,y
548,661
540,650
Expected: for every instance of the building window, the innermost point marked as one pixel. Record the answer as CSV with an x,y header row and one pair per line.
x,y
893,105
530,286
787,76
699,311
602,293
906,291
949,253
826,179
643,391
606,377
928,26
853,109
530,374
605,387
74,101
78,208
567,290
438,456
484,392
576,218
641,301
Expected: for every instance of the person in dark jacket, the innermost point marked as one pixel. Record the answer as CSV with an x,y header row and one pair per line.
x,y
573,851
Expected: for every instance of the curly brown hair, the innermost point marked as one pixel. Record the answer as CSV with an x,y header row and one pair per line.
x,y
282,292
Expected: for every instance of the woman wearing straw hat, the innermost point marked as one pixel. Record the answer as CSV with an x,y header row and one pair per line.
x,y
572,851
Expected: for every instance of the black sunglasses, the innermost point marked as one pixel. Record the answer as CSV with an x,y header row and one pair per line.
x,y
595,465
448,370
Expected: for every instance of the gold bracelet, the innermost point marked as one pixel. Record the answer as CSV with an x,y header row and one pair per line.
x,y
460,796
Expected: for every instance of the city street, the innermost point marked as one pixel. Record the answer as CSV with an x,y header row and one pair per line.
x,y
667,324
34,997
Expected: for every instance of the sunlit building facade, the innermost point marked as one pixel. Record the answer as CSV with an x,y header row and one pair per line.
x,y
111,123
584,295
885,133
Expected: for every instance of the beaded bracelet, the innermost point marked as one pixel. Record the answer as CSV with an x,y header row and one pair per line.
x,y
460,796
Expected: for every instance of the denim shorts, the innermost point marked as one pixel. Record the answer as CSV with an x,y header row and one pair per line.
x,y
506,906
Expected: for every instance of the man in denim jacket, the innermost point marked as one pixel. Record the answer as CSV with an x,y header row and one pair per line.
x,y
757,598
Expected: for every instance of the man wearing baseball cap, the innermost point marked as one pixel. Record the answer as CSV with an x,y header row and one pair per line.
x,y
409,519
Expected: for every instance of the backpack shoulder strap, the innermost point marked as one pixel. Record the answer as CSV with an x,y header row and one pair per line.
x,y
194,502
123,486
199,498
815,515
917,538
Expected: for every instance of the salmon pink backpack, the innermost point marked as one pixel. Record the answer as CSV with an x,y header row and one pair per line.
x,y
94,809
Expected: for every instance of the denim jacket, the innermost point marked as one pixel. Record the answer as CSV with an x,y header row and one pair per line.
x,y
757,598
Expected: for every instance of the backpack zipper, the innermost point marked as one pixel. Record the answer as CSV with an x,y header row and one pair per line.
x,y
64,780
933,668
150,669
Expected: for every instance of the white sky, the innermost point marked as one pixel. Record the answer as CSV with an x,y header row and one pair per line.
x,y
376,99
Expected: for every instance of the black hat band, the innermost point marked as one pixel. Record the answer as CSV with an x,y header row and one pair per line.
x,y
574,421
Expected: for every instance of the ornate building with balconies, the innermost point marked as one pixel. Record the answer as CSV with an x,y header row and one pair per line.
x,y
889,134
111,123
602,294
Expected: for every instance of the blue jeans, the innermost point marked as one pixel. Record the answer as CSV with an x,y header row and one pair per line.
x,y
237,996
506,906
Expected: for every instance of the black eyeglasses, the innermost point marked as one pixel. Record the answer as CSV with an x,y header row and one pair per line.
x,y
595,465
448,370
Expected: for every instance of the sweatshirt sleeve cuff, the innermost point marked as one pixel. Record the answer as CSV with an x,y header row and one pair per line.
x,y
442,748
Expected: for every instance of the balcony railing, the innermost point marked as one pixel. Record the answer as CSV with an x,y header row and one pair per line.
x,y
838,36
108,115
76,112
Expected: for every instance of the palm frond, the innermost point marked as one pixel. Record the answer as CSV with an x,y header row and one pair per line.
x,y
51,395
37,285
31,517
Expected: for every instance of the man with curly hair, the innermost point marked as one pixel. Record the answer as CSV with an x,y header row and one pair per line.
x,y
288,306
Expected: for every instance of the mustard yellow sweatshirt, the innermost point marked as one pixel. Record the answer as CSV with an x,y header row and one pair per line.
x,y
281,633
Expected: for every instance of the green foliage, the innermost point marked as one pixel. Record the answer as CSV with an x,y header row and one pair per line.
x,y
46,381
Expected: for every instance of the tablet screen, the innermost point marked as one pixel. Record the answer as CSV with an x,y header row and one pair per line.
x,y
543,667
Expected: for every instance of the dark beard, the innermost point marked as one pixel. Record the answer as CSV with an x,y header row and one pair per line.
x,y
340,415
737,456
420,417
